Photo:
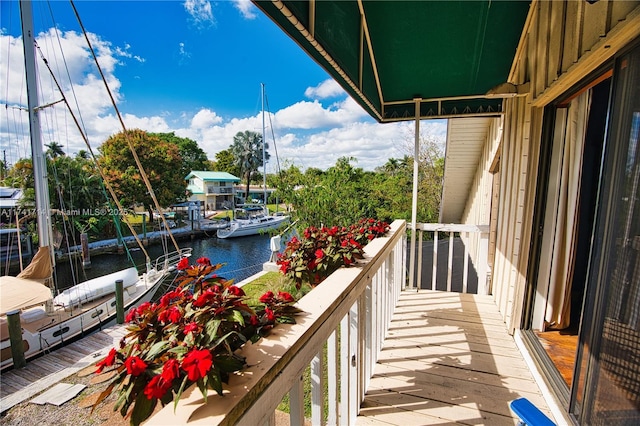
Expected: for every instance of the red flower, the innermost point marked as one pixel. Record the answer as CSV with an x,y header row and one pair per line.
x,y
191,327
143,307
157,387
197,363
284,266
109,360
183,264
171,370
203,261
135,365
271,317
204,299
131,315
267,297
319,254
169,296
253,320
235,290
285,297
171,314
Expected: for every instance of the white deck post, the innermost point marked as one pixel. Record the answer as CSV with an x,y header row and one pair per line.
x,y
414,196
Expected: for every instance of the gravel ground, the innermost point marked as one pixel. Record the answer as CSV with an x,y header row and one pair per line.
x,y
76,412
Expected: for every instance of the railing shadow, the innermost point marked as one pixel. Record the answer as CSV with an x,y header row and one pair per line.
x,y
446,365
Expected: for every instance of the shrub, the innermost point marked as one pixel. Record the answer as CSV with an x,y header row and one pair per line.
x,y
188,337
321,251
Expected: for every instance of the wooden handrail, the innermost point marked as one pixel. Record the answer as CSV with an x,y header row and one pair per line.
x,y
277,362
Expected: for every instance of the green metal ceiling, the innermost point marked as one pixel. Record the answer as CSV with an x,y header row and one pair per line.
x,y
388,53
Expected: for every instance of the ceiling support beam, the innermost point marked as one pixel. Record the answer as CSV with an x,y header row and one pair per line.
x,y
414,198
372,56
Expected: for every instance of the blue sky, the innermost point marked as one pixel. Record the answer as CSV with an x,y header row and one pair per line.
x,y
195,68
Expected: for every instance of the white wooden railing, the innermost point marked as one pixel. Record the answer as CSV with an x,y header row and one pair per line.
x,y
346,317
475,240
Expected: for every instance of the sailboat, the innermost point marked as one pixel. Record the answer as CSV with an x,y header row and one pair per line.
x,y
46,321
254,220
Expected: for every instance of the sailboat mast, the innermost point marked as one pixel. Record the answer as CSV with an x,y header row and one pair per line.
x,y
264,157
37,155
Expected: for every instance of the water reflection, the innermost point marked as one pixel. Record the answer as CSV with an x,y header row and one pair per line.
x,y
242,257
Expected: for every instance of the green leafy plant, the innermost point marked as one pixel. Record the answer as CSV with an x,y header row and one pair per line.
x,y
321,251
189,337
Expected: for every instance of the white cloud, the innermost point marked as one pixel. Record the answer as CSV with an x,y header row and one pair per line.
x,y
246,8
307,133
205,118
200,11
327,89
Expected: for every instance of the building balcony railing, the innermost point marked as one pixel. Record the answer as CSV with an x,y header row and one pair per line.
x,y
344,322
338,336
219,190
458,262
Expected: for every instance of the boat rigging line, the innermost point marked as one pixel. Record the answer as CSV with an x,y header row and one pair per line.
x,y
126,133
93,156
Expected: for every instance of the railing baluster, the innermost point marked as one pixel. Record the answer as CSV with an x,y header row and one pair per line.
x,y
450,261
296,402
345,361
465,268
317,388
419,277
353,342
333,358
435,261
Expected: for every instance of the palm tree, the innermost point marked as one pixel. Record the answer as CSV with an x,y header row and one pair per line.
x,y
54,150
247,152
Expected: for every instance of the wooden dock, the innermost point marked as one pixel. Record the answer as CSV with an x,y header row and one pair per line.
x,y
18,385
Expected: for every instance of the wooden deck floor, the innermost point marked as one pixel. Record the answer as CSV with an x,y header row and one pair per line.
x,y
18,385
447,360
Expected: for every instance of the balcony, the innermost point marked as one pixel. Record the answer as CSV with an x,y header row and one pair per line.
x,y
392,355
217,190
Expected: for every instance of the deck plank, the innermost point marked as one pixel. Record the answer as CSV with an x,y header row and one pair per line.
x,y
448,359
39,374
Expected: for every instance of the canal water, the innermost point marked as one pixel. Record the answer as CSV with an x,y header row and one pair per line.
x,y
242,257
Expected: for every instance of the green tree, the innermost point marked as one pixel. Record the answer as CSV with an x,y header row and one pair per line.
x,y
225,162
74,184
193,157
158,158
54,150
247,150
338,196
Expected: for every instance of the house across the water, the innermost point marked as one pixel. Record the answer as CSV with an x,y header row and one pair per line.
x,y
214,190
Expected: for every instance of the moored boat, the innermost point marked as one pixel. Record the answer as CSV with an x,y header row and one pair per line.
x,y
49,322
252,222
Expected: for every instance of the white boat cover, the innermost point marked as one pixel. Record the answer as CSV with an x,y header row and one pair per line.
x,y
19,293
95,288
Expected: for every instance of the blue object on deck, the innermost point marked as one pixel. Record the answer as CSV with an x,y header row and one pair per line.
x,y
529,413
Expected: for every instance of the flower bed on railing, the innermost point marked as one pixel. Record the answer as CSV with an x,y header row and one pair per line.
x,y
323,250
192,334
189,337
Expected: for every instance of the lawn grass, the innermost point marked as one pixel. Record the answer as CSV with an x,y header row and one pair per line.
x,y
275,282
